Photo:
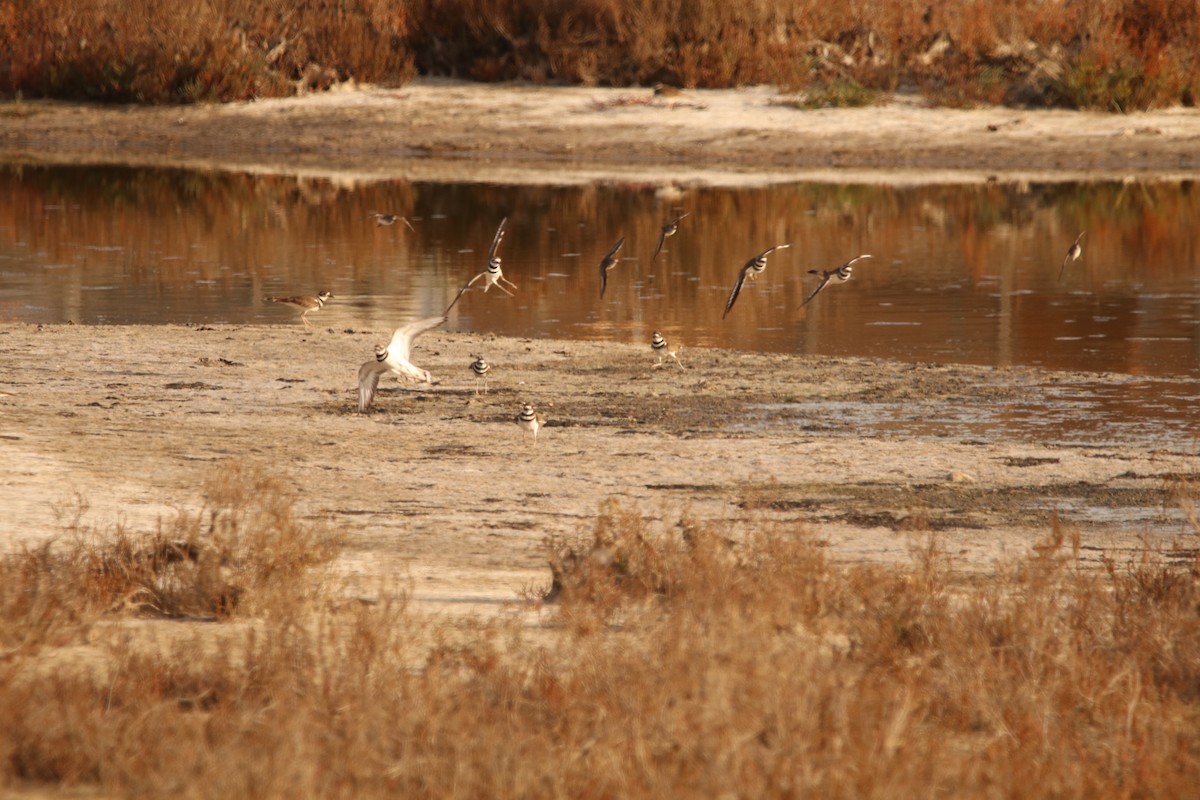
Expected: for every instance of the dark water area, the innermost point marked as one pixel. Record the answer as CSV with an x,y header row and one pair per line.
x,y
959,274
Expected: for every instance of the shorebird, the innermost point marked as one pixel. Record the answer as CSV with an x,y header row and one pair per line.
x,y
304,302
840,274
390,219
394,358
492,275
481,368
668,229
1073,252
751,270
530,420
608,262
660,346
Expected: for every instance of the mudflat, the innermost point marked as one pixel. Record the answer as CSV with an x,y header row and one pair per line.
x,y
439,485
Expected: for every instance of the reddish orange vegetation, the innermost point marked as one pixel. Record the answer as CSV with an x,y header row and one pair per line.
x,y
1117,55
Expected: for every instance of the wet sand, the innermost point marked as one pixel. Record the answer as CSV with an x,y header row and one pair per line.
x,y
439,485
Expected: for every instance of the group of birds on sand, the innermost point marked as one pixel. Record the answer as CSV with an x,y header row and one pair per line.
x,y
394,357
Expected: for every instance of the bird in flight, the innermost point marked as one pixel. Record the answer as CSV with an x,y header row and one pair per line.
x,y
390,219
751,270
1073,253
394,358
304,302
608,262
668,229
493,276
840,274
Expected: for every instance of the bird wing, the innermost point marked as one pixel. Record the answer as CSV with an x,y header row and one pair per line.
x,y
826,276
737,288
402,337
408,224
611,255
768,252
368,380
461,292
496,241
1073,250
662,237
856,259
608,262
666,231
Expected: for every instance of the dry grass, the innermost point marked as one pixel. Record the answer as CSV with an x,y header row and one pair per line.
x,y
1116,55
198,50
680,659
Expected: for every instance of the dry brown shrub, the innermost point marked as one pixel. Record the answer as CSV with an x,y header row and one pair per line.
x,y
200,50
1111,54
731,659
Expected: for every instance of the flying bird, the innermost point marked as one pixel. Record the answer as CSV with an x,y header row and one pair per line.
x,y
394,358
304,302
608,262
1073,253
840,274
492,275
390,219
668,230
751,270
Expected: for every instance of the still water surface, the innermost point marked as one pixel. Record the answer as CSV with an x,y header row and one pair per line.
x,y
966,274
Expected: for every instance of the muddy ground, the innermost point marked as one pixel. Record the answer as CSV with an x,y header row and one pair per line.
x,y
440,485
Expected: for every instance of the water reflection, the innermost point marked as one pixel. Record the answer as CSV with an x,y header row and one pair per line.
x,y
960,274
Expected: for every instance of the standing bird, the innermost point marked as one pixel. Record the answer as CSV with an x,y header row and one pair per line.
x,y
530,420
608,262
304,302
390,219
752,270
840,274
1073,253
670,229
394,359
492,275
660,346
481,368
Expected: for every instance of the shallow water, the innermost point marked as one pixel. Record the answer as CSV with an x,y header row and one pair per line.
x,y
966,274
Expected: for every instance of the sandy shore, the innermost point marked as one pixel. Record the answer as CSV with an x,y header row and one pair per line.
x,y
441,485
448,130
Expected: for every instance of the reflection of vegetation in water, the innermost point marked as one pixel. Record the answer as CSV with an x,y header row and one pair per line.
x,y
678,658
172,241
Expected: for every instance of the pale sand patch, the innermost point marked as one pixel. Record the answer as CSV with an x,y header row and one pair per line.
x,y
437,129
